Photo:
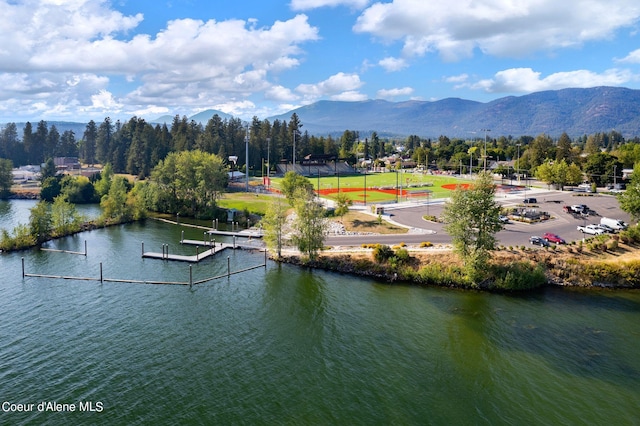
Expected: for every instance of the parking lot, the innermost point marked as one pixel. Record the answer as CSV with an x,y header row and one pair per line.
x,y
518,233
561,223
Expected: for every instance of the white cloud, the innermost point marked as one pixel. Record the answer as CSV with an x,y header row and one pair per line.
x,y
314,4
104,101
526,80
46,44
392,93
393,64
496,27
280,94
349,96
236,108
457,78
336,84
631,58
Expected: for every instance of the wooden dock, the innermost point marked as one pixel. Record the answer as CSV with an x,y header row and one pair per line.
x,y
210,248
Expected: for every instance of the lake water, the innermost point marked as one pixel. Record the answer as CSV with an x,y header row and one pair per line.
x,y
285,345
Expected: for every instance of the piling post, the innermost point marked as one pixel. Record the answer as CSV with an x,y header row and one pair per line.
x,y
197,254
265,257
23,268
143,249
190,276
228,266
234,242
182,237
204,238
85,248
100,272
167,255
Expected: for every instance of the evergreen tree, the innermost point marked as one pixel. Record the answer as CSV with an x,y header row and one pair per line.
x,y
103,141
29,142
53,143
68,145
40,142
90,138
563,150
6,177
10,146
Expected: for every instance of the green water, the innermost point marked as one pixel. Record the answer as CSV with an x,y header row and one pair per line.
x,y
283,345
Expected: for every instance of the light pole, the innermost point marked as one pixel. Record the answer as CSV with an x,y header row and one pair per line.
x,y
246,157
268,161
485,147
294,149
518,162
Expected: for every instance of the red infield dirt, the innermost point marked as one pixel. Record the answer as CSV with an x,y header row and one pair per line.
x,y
453,186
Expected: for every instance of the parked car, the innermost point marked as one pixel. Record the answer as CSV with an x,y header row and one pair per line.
x,y
591,229
606,228
538,241
503,218
553,238
530,201
580,208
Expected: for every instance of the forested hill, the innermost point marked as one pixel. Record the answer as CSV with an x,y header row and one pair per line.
x,y
577,112
574,111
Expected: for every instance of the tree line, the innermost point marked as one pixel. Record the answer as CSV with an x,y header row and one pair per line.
x,y
137,146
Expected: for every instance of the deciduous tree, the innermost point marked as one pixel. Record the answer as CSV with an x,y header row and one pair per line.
x,y
472,220
273,224
630,199
310,225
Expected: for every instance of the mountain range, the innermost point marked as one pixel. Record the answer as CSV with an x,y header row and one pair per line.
x,y
574,111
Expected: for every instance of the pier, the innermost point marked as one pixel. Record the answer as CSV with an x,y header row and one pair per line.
x,y
209,245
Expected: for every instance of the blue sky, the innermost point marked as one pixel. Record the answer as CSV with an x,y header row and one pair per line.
x,y
76,60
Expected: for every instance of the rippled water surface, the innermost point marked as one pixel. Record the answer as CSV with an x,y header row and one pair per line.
x,y
284,345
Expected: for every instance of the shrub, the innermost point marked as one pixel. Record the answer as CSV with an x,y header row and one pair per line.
x,y
382,253
519,276
402,255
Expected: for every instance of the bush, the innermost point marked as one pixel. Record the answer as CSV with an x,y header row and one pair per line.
x,y
402,255
382,253
519,276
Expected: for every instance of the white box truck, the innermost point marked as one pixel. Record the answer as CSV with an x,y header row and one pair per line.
x,y
616,224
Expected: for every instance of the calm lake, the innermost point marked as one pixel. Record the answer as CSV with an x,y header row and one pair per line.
x,y
284,345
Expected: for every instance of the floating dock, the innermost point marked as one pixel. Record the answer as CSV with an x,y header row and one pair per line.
x,y
210,248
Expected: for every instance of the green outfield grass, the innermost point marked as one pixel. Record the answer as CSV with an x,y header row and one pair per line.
x,y
353,186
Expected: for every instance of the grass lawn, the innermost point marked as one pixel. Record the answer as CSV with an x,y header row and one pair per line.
x,y
255,203
361,222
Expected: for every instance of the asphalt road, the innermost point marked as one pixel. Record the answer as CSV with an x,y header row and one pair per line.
x,y
514,233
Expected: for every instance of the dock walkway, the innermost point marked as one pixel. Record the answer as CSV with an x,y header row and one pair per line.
x,y
211,248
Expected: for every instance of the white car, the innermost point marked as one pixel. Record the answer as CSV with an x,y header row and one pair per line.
x,y
591,229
